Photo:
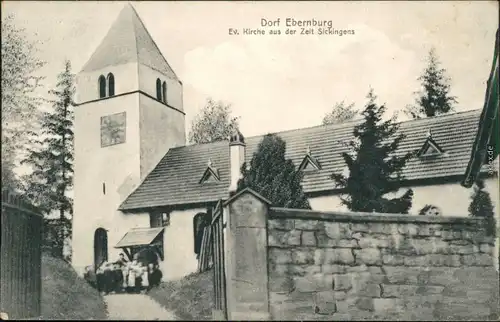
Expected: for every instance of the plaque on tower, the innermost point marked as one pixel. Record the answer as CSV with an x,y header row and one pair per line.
x,y
113,129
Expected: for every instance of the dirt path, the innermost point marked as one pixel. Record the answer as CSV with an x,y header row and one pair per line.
x,y
135,307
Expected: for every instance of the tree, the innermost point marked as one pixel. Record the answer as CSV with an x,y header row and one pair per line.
x,y
340,113
481,206
51,158
435,98
19,104
213,123
273,176
374,170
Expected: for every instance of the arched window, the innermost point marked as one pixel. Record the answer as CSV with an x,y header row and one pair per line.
x,y
164,91
111,84
100,247
198,228
102,86
158,89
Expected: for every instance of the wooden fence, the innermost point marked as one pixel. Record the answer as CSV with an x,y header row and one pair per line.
x,y
217,227
20,261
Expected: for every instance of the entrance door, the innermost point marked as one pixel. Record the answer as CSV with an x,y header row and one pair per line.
x,y
100,247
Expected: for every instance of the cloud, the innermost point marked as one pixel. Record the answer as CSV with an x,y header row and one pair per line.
x,y
282,82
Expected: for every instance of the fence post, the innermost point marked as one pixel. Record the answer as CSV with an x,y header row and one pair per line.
x,y
246,265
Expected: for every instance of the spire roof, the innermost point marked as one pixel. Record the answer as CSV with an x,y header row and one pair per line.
x,y
128,41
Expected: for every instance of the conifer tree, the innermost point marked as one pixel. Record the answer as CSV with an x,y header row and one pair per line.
x,y
435,98
481,206
273,176
51,159
374,170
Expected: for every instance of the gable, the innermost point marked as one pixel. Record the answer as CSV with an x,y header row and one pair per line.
x,y
309,163
430,148
128,41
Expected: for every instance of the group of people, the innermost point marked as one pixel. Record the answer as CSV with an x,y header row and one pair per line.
x,y
130,276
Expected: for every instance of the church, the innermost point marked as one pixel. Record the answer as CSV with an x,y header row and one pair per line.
x,y
137,182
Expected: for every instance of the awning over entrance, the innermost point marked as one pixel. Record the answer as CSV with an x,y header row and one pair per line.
x,y
486,145
139,237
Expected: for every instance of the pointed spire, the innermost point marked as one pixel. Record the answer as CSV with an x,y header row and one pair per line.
x,y
429,134
209,162
308,150
128,41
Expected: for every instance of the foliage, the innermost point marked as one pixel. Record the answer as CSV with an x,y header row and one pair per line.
x,y
19,102
273,176
481,206
374,169
429,210
213,123
51,159
340,113
434,99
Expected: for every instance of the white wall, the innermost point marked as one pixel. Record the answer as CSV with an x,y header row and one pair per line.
x,y
452,199
180,259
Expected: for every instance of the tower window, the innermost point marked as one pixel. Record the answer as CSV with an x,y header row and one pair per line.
x,y
111,84
102,86
103,188
158,89
164,91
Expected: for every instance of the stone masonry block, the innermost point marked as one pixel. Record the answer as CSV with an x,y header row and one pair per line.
x,y
486,248
339,256
385,305
398,291
325,241
429,245
302,256
333,269
276,238
365,304
408,229
389,259
369,256
283,224
342,282
280,256
308,238
463,249
477,260
335,230
402,274
360,228
381,241
281,284
302,270
278,269
308,224
313,283
325,302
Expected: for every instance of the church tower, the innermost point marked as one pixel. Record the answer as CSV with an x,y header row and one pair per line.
x,y
129,113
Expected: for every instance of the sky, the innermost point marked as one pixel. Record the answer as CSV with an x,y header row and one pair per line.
x,y
281,82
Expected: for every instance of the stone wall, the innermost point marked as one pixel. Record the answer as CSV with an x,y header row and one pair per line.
x,y
341,266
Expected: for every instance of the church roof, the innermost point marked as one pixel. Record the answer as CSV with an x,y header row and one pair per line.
x,y
128,41
175,180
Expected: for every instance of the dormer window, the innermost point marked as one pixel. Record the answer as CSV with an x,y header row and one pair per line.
x,y
211,174
309,163
430,147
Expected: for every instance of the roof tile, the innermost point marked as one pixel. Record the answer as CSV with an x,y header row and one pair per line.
x,y
175,180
